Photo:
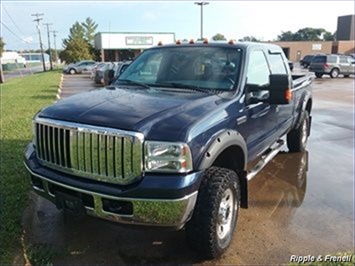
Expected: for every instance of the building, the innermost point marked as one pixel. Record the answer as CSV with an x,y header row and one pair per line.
x,y
120,46
345,28
35,57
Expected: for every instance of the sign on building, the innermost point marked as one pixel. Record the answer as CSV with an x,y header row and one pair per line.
x,y
139,40
316,46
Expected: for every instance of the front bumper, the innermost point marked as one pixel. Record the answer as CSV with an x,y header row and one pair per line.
x,y
153,208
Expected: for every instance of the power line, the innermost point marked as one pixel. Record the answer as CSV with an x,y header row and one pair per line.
x,y
14,33
38,19
12,20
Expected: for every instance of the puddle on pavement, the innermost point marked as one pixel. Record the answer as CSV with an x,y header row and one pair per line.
x,y
278,223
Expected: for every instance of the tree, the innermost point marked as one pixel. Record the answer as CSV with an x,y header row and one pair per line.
x,y
218,37
77,31
306,34
249,39
327,36
2,44
89,29
285,36
76,50
79,44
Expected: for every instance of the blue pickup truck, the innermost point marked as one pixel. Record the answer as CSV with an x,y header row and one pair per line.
x,y
175,140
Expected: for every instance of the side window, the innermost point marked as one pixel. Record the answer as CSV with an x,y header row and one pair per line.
x,y
258,70
277,64
351,59
332,59
343,59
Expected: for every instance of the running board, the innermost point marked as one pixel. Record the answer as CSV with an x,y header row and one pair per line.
x,y
267,157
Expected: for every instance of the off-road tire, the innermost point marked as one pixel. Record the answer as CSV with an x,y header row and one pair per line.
x,y
296,138
72,71
334,73
319,75
201,230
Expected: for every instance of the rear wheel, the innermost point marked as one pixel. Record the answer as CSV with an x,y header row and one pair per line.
x,y
297,138
346,76
212,225
334,73
319,75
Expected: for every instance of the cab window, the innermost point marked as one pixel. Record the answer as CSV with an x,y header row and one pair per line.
x,y
258,70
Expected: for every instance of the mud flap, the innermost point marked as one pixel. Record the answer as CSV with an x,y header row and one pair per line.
x,y
243,189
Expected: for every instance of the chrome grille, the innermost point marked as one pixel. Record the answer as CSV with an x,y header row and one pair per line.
x,y
103,154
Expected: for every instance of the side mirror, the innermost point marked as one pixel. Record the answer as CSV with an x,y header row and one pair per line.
x,y
277,92
279,89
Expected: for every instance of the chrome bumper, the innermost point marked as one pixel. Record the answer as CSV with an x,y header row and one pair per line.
x,y
148,212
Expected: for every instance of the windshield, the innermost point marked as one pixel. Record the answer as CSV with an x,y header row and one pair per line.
x,y
209,68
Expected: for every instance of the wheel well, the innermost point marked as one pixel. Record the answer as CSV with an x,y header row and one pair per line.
x,y
233,158
309,106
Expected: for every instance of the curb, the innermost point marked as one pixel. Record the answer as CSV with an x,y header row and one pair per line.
x,y
60,87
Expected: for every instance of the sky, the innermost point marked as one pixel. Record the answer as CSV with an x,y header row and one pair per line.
x,y
234,19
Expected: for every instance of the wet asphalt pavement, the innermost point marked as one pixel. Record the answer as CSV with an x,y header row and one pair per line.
x,y
300,203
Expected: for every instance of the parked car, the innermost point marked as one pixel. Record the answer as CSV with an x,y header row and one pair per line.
x,y
94,68
306,61
333,65
100,72
79,67
175,141
112,74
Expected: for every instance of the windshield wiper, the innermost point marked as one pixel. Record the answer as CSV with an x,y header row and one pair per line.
x,y
183,86
132,82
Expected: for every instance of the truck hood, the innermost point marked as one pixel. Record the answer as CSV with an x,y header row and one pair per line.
x,y
153,112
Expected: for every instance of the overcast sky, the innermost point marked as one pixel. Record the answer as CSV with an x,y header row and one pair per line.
x,y
234,19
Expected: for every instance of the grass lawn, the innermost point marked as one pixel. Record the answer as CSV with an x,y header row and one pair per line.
x,y
20,99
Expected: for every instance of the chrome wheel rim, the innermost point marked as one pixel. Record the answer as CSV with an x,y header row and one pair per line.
x,y
226,212
334,73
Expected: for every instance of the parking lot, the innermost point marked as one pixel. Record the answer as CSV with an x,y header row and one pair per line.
x,y
300,203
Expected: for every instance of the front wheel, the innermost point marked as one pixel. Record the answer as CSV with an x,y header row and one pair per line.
x,y
334,73
72,71
212,225
298,137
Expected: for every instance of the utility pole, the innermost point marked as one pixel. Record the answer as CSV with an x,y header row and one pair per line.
x,y
38,19
55,45
201,4
49,45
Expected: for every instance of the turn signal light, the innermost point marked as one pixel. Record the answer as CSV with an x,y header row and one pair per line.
x,y
288,95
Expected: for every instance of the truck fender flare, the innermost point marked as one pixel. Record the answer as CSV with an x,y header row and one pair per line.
x,y
302,112
220,142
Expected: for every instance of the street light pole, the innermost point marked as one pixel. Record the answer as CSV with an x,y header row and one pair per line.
x,y
201,4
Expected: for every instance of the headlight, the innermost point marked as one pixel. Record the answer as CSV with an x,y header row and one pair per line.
x,y
167,157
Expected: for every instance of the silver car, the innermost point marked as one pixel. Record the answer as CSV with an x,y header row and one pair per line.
x,y
79,67
333,65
